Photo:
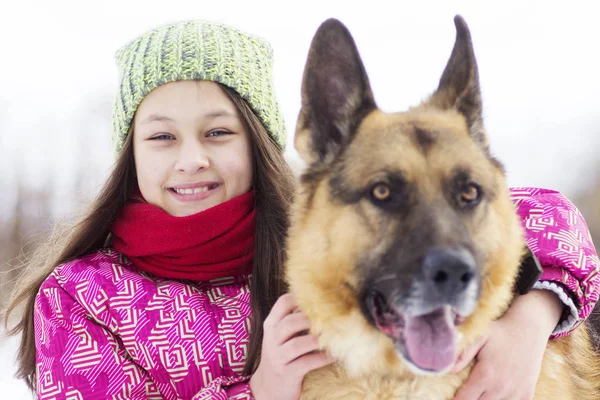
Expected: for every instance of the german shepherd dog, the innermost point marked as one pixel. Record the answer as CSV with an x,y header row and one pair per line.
x,y
404,244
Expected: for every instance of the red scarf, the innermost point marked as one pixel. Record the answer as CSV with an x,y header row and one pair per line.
x,y
214,243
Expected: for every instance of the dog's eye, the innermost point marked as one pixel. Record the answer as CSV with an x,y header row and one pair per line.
x,y
381,192
470,195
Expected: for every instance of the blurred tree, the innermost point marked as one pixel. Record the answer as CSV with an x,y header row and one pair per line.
x,y
28,213
588,203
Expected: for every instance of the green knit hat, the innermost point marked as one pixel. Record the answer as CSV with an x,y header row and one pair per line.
x,y
196,50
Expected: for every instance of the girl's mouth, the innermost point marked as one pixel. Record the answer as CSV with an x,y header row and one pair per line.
x,y
194,194
195,190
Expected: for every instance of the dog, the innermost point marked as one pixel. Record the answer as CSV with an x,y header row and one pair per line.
x,y
404,244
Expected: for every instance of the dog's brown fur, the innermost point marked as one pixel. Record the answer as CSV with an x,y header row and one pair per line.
x,y
340,239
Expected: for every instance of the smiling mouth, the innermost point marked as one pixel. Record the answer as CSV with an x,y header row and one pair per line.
x,y
428,341
194,190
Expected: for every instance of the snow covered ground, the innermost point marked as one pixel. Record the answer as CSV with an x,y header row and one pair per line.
x,y
10,387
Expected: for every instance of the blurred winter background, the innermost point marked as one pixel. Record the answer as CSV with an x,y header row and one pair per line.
x,y
538,61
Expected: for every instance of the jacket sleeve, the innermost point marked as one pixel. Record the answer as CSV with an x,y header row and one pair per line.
x,y
558,236
223,388
79,357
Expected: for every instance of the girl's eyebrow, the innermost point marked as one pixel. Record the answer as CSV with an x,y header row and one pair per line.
x,y
156,117
220,113
212,115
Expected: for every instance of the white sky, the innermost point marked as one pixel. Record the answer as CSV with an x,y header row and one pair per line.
x,y
538,64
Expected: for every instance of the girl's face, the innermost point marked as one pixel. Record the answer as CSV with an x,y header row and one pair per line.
x,y
191,147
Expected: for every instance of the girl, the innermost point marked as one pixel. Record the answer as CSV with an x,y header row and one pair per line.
x,y
171,285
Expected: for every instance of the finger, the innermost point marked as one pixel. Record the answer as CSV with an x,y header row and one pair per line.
x,y
303,365
474,386
291,325
282,307
493,395
298,346
468,354
503,393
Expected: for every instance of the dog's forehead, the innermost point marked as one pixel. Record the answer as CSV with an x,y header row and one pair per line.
x,y
420,129
413,141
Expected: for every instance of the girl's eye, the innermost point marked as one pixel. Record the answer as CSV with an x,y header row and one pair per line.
x,y
218,133
162,136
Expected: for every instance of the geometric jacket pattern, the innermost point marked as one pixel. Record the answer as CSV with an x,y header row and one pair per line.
x,y
106,331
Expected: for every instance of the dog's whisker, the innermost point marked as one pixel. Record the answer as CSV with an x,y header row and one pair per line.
x,y
388,277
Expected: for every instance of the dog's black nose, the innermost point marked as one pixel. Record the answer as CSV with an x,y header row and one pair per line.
x,y
449,271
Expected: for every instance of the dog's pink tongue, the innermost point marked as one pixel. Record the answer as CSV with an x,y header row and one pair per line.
x,y
430,340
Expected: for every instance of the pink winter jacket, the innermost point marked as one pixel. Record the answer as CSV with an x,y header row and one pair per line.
x,y
107,331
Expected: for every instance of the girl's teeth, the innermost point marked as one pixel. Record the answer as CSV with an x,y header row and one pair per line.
x,y
192,191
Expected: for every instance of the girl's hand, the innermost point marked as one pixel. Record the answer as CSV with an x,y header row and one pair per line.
x,y
286,357
509,356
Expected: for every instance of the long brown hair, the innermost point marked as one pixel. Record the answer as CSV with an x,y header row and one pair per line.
x,y
274,190
273,185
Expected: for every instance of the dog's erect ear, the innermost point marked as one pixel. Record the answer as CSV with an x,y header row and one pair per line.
x,y
459,84
336,94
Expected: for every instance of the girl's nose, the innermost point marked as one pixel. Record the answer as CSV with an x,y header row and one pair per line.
x,y
192,158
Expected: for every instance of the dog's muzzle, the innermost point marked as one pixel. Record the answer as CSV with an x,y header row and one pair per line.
x,y
423,323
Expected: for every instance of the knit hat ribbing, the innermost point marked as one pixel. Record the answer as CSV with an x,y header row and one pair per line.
x,y
196,50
